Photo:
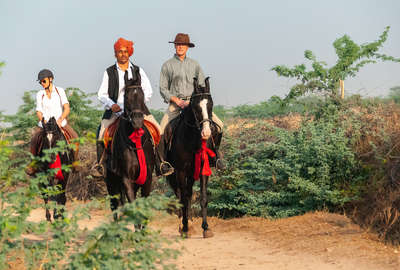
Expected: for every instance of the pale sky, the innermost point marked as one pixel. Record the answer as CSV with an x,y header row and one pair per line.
x,y
237,42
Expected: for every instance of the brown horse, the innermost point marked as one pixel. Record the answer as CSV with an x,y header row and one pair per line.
x,y
193,133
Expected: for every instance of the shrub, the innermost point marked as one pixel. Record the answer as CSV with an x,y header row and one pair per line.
x,y
278,173
61,244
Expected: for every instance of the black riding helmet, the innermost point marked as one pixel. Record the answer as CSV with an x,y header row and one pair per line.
x,y
45,73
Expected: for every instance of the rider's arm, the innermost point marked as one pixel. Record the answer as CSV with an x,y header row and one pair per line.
x,y
165,84
66,110
39,103
39,115
146,86
200,75
102,94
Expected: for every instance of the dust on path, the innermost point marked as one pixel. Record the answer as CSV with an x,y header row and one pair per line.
x,y
313,241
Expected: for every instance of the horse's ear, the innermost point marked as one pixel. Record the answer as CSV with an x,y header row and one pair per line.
x,y
43,125
207,89
196,84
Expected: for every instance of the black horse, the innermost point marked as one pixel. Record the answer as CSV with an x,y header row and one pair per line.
x,y
190,131
50,135
129,164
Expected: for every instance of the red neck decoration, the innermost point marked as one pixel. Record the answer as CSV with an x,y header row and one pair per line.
x,y
202,155
57,165
136,138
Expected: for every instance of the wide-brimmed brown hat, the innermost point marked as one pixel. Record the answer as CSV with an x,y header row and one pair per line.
x,y
182,38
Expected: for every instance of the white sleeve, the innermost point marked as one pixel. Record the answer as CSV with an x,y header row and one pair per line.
x,y
102,94
63,96
39,98
146,86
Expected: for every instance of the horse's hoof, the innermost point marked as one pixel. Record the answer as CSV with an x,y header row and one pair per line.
x,y
208,233
187,234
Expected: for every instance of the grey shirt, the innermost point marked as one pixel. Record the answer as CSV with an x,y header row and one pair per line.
x,y
176,78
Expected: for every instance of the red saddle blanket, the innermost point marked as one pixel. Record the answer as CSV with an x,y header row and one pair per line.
x,y
110,131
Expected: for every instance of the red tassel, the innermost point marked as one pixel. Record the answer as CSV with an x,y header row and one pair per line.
x,y
57,165
136,139
202,155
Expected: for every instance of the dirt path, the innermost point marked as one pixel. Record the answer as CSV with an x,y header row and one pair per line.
x,y
313,241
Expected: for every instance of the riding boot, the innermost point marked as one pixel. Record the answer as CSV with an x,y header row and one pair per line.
x,y
218,160
99,167
162,168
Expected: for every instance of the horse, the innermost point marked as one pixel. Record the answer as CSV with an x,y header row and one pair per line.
x,y
51,134
192,133
131,159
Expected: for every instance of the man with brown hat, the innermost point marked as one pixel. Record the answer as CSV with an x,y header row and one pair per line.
x,y
176,82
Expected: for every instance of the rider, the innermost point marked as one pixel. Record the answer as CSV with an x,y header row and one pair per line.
x,y
50,102
111,95
176,84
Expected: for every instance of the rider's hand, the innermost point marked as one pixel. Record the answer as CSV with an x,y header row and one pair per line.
x,y
59,121
185,103
115,108
179,102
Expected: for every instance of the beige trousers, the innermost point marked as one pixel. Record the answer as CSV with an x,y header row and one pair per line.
x,y
173,111
105,123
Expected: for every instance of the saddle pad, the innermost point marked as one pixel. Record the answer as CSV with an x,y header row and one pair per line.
x,y
155,134
68,137
109,133
66,134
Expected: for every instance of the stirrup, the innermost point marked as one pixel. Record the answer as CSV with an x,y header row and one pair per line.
x,y
170,169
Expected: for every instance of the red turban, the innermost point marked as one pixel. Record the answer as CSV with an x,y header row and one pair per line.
x,y
124,43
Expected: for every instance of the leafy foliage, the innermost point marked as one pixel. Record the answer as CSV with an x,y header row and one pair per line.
x,y
274,107
278,173
58,245
394,94
351,58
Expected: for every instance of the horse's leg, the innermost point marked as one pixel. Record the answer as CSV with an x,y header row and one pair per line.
x,y
48,215
130,192
146,187
204,202
113,188
145,192
61,199
185,201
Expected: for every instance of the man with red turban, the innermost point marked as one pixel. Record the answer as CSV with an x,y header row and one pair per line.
x,y
111,92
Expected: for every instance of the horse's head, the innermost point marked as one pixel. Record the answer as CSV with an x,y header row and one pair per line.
x,y
52,133
134,107
201,104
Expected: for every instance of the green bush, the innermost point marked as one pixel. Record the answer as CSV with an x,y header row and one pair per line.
x,y
275,107
278,173
61,244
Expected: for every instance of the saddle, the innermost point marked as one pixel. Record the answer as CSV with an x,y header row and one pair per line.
x,y
37,148
110,132
68,138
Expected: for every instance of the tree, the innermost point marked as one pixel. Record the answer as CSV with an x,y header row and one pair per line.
x,y
394,94
351,58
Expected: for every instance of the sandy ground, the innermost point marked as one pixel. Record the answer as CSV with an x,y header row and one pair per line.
x,y
313,241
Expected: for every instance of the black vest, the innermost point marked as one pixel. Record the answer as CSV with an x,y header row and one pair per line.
x,y
113,84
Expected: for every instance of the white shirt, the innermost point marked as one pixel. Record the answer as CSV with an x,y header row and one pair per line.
x,y
102,94
52,106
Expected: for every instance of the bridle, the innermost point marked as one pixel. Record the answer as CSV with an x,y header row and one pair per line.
x,y
128,115
197,123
